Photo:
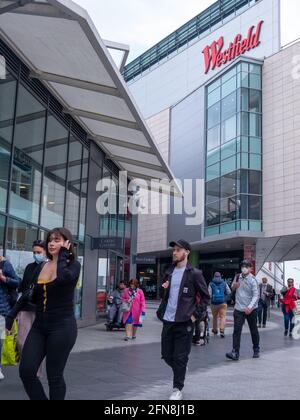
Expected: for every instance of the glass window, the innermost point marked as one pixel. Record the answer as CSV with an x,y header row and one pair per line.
x,y
243,181
20,237
79,286
214,115
213,172
2,230
228,210
213,157
228,165
255,207
255,125
7,108
28,157
255,145
229,131
255,101
254,68
255,182
255,226
255,81
244,100
228,227
213,138
244,79
229,106
213,214
244,160
211,231
228,149
214,97
213,191
245,144
242,207
54,186
228,87
74,186
104,226
84,193
244,124
255,162
227,76
214,86
229,185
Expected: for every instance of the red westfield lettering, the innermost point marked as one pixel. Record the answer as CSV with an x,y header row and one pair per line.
x,y
215,57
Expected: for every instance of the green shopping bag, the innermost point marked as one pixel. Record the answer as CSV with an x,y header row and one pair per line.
x,y
10,355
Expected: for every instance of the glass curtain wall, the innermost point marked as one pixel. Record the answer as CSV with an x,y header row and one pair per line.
x,y
234,151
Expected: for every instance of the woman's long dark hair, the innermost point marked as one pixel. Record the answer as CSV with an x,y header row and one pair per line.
x,y
67,236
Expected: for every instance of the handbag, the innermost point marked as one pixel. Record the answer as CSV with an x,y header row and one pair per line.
x,y
10,355
126,306
297,308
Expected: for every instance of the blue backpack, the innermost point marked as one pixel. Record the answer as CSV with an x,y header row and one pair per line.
x,y
218,293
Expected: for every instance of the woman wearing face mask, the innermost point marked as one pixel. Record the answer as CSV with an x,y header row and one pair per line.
x,y
54,331
27,316
133,319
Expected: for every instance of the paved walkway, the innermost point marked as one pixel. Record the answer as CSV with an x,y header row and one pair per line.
x,y
103,366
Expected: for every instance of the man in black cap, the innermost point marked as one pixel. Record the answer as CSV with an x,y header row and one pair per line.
x,y
246,304
183,287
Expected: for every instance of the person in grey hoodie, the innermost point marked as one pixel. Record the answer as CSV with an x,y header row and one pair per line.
x,y
247,297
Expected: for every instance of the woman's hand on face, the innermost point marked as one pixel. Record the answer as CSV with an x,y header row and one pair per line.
x,y
67,245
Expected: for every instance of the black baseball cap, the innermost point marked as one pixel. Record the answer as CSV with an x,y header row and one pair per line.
x,y
247,263
181,244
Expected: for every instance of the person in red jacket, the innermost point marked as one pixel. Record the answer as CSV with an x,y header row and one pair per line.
x,y
290,296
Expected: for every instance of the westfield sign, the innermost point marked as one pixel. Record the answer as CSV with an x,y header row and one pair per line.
x,y
216,56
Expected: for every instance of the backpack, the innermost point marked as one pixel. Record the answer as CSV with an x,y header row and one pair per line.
x,y
218,293
12,293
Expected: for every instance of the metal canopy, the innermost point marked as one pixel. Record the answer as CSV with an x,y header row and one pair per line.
x,y
57,40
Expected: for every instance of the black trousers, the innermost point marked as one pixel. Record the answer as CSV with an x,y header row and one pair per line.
x,y
239,321
263,309
176,348
52,341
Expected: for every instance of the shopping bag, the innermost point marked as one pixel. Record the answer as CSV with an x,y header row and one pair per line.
x,y
297,308
10,355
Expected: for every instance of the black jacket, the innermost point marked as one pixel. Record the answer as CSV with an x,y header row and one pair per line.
x,y
193,287
30,277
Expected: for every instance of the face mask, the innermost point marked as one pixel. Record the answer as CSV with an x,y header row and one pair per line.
x,y
39,258
245,270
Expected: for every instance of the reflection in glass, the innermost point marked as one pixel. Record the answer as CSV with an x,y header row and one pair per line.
x,y
20,237
28,157
53,199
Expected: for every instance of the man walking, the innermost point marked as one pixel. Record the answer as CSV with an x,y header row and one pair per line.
x,y
247,296
183,285
265,297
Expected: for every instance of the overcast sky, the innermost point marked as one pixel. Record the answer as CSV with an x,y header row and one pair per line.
x,y
142,23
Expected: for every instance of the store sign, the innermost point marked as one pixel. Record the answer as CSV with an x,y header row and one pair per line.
x,y
215,56
113,244
144,260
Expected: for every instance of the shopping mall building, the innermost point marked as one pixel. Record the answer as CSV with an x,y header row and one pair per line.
x,y
67,119
222,98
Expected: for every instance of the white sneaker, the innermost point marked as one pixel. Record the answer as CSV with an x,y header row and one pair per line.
x,y
1,375
176,395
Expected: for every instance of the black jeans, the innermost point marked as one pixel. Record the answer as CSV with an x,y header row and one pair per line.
x,y
176,348
263,309
239,321
53,341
